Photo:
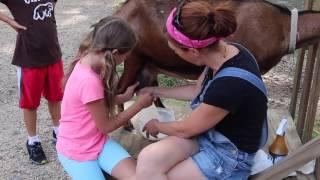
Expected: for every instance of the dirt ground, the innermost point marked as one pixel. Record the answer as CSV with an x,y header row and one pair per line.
x,y
73,20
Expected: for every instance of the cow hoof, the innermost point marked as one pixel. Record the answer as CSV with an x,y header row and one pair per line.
x,y
129,127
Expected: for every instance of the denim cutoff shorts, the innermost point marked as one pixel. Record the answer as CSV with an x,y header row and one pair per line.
x,y
218,158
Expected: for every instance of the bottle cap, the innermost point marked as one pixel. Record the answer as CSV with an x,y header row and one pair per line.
x,y
282,127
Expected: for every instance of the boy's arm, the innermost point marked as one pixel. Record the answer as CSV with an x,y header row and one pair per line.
x,y
16,26
4,18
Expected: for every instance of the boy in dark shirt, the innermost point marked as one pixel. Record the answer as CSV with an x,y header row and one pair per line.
x,y
38,58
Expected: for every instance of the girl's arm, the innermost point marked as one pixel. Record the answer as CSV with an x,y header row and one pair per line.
x,y
200,120
100,113
16,26
186,92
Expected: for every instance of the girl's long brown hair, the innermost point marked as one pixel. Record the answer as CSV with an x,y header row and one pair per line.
x,y
107,35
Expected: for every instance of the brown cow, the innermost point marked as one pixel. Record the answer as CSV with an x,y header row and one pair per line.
x,y
263,28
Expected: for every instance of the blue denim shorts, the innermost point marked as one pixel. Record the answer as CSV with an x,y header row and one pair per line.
x,y
218,158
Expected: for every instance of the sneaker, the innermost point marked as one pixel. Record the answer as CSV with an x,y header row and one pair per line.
x,y
54,138
36,153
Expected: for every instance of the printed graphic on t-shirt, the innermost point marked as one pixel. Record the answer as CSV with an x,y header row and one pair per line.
x,y
42,11
30,1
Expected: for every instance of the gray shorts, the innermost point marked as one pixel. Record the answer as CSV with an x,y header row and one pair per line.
x,y
218,158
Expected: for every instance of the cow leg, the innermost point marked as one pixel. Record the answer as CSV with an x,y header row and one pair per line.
x,y
132,66
147,76
158,101
135,70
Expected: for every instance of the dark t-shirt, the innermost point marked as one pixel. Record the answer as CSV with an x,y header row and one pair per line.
x,y
246,104
37,46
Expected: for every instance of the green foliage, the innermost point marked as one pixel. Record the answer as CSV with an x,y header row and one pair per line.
x,y
316,130
168,81
120,68
164,80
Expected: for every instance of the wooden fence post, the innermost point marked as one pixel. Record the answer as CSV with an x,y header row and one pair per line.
x,y
303,107
313,97
296,82
317,169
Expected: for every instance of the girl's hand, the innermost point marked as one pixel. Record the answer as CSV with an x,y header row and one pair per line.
x,y
16,26
127,95
144,100
151,128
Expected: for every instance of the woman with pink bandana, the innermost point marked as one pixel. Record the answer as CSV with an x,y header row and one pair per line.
x,y
219,138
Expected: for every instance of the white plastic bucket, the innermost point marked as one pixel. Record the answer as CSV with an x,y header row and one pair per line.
x,y
152,112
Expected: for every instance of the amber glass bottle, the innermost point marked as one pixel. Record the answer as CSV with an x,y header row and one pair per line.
x,y
278,149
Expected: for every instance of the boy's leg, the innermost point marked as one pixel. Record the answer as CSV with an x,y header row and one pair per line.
x,y
30,119
30,83
54,110
53,93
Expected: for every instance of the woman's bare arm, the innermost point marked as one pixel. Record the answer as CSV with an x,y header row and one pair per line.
x,y
199,121
186,92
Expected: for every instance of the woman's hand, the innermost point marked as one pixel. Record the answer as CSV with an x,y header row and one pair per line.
x,y
149,90
16,26
151,128
144,100
127,95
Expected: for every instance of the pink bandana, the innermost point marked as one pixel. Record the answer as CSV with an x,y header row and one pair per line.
x,y
183,39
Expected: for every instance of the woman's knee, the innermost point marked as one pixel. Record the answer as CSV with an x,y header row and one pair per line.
x,y
125,169
150,161
157,154
148,156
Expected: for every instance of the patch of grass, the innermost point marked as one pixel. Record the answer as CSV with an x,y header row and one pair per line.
x,y
316,130
174,102
120,68
168,81
164,80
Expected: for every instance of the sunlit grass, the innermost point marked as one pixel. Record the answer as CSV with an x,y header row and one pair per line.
x,y
316,130
164,80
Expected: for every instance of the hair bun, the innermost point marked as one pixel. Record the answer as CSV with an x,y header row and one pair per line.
x,y
210,17
202,20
